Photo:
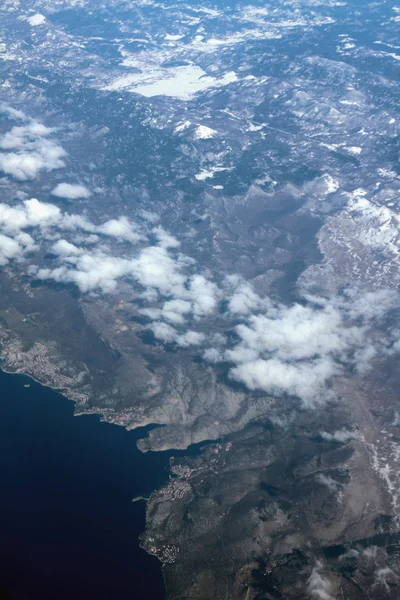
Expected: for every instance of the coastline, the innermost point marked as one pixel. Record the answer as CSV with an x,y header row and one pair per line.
x,y
159,457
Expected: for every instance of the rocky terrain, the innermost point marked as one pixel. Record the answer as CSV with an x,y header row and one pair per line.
x,y
199,230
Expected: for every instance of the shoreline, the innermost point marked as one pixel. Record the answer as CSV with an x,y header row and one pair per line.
x,y
193,448
95,412
47,446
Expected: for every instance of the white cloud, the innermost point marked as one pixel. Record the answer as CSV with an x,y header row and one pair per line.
x,y
25,166
369,305
88,240
282,350
295,350
14,248
190,338
319,587
173,310
387,578
243,299
64,248
166,333
213,355
93,269
149,216
98,268
165,239
328,482
34,213
31,213
121,229
298,332
298,349
9,248
152,313
205,295
42,214
21,135
71,191
340,436
156,268
31,151
163,332
73,222
305,380
11,112
89,271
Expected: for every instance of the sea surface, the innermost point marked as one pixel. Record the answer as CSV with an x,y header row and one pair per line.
x,y
68,527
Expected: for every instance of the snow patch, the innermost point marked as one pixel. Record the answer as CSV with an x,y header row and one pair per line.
x,y
173,38
355,150
182,126
209,173
204,133
37,19
182,82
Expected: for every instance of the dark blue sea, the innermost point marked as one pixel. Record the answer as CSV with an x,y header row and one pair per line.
x,y
68,527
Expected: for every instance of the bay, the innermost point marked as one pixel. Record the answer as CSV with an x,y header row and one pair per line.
x,y
68,527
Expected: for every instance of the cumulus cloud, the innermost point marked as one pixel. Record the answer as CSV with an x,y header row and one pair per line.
x,y
89,271
191,295
28,149
279,349
163,331
64,248
190,338
328,482
319,586
387,578
151,217
156,268
71,191
166,333
174,310
121,229
93,269
243,299
16,247
97,267
292,350
371,552
298,349
213,355
371,306
298,332
195,294
34,213
165,239
18,137
282,350
94,265
205,295
341,436
307,381
9,249
31,213
12,113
